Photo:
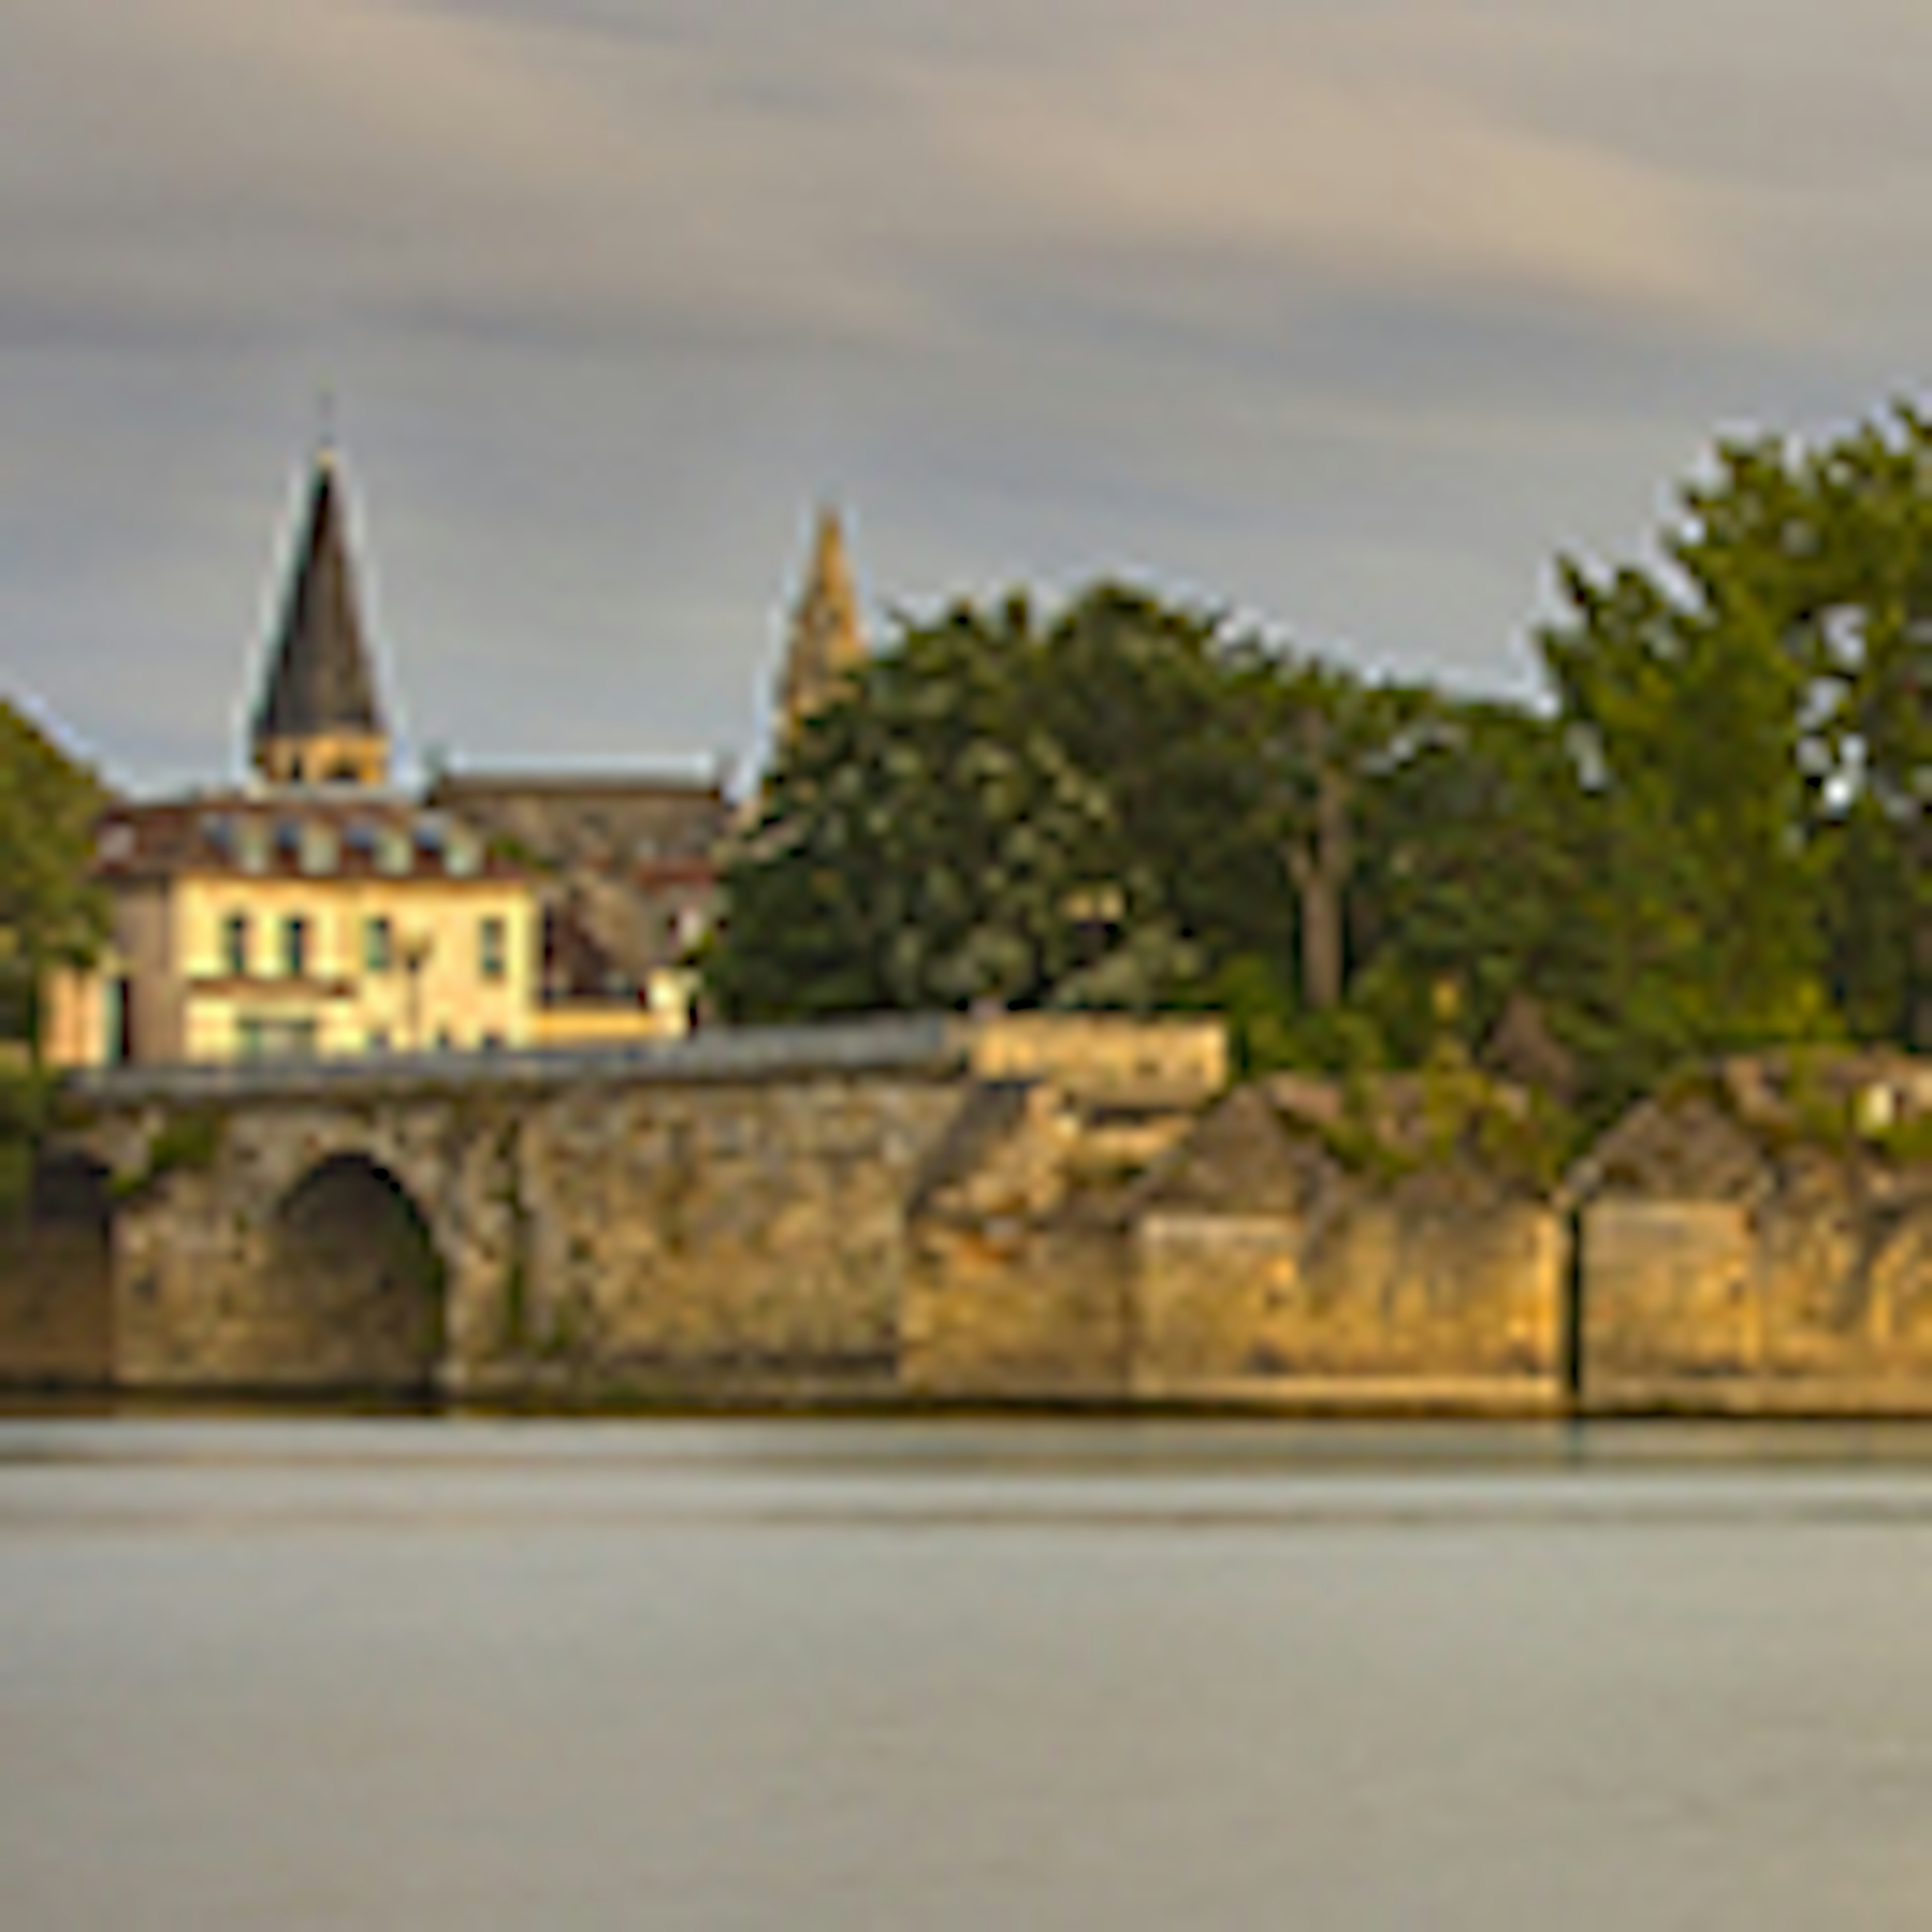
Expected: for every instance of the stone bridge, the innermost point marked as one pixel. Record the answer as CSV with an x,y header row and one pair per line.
x,y
726,1205
1026,1207
722,1215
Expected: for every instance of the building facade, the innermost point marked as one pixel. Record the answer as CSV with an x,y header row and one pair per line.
x,y
316,910
626,867
313,911
282,924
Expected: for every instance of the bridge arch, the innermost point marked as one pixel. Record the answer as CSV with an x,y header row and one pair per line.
x,y
355,1277
56,1277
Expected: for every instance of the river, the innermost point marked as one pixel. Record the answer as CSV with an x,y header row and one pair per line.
x,y
427,1673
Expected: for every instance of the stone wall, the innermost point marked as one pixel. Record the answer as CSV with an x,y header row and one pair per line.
x,y
1002,1312
870,1213
1741,1250
1245,1263
714,1236
1153,1066
1446,1288
56,1307
682,1226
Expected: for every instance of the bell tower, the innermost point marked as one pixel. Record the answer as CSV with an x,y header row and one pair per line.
x,y
825,643
318,721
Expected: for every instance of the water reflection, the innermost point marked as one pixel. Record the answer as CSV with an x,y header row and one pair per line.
x,y
470,1672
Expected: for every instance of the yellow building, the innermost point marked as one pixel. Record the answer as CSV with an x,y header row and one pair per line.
x,y
311,912
279,924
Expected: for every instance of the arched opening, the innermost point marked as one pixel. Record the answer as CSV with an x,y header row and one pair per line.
x,y
73,1191
356,1281
57,1276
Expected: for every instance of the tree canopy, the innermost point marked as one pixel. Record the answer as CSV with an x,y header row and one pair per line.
x,y
50,914
929,841
1754,718
1710,829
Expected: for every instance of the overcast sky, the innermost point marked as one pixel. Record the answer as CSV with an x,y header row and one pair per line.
x,y
1347,313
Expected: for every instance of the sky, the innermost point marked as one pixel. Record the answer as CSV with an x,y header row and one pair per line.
x,y
1345,316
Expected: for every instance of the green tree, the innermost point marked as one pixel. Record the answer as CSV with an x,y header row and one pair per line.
x,y
1327,740
1469,870
1683,707
1758,716
928,841
1156,702
51,914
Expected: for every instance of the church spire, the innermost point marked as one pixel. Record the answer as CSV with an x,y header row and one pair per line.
x,y
825,642
318,721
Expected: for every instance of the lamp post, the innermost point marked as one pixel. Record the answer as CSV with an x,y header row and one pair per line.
x,y
413,952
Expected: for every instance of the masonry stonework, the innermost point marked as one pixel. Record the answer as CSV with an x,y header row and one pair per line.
x,y
1762,1243
930,1212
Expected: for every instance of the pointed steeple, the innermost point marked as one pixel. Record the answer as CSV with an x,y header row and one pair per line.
x,y
318,721
825,641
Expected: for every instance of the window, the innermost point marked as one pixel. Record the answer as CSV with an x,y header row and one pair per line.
x,y
393,853
270,1036
316,847
294,946
251,844
235,945
379,944
492,946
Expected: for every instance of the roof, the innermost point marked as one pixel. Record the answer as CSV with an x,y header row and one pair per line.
x,y
612,820
320,681
293,834
603,785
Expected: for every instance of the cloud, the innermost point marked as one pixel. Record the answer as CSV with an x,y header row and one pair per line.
x,y
1347,313
198,155
1186,152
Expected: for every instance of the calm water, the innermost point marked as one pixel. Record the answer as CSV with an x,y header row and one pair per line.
x,y
444,1674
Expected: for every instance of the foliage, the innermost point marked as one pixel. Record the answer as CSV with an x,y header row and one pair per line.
x,y
1710,832
188,1141
50,913
1756,718
25,1101
929,841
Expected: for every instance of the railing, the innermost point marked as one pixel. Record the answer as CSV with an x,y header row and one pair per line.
x,y
931,1044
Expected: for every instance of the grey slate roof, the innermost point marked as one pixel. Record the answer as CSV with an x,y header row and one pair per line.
x,y
320,681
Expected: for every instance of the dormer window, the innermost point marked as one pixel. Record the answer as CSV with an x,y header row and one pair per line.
x,y
251,845
393,852
462,855
319,847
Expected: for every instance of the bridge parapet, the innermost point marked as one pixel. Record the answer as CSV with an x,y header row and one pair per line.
x,y
937,1046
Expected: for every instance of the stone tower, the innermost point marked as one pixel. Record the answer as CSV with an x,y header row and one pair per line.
x,y
825,642
318,722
